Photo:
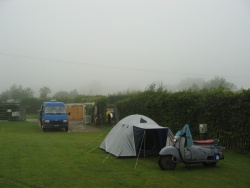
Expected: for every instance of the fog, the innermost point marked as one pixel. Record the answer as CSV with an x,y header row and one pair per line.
x,y
103,47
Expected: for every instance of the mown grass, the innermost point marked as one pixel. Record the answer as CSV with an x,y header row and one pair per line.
x,y
32,116
31,158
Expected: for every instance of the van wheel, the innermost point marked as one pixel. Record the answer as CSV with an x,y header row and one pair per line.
x,y
167,162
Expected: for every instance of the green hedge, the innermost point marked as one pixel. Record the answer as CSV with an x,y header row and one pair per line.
x,y
226,113
32,105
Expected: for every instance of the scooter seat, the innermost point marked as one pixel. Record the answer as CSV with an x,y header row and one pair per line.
x,y
204,142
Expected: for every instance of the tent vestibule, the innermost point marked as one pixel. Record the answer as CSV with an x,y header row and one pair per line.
x,y
135,135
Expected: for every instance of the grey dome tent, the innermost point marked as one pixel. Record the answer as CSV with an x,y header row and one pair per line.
x,y
135,135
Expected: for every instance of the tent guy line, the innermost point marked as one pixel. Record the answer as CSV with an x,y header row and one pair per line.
x,y
92,141
102,133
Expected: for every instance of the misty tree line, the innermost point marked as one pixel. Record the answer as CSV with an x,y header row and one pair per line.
x,y
25,96
16,93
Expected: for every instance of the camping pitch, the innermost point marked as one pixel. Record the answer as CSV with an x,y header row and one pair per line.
x,y
135,135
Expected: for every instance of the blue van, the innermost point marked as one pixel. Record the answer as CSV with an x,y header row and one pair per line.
x,y
53,115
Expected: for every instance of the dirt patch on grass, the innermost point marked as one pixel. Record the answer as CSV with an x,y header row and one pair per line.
x,y
78,126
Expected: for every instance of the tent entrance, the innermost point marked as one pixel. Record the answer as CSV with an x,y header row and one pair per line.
x,y
149,141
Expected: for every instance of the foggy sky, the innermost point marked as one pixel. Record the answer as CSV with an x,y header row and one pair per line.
x,y
107,46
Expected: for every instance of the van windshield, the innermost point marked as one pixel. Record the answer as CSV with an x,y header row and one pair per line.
x,y
55,110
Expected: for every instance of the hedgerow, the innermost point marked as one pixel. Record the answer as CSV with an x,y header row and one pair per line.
x,y
226,113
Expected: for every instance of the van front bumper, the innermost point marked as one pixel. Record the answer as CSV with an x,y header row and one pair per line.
x,y
54,125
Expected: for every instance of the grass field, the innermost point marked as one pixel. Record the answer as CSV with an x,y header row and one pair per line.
x,y
32,158
32,116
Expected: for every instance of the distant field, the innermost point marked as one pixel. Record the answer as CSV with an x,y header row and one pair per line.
x,y
32,158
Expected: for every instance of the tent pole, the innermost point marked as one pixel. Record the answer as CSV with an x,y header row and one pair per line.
x,y
145,143
140,149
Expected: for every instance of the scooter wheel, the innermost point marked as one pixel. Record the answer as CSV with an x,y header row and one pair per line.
x,y
167,162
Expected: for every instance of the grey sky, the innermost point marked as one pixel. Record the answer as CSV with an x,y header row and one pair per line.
x,y
106,46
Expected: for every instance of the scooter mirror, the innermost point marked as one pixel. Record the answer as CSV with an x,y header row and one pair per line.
x,y
176,139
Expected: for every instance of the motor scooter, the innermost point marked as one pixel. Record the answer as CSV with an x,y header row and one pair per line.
x,y
187,151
